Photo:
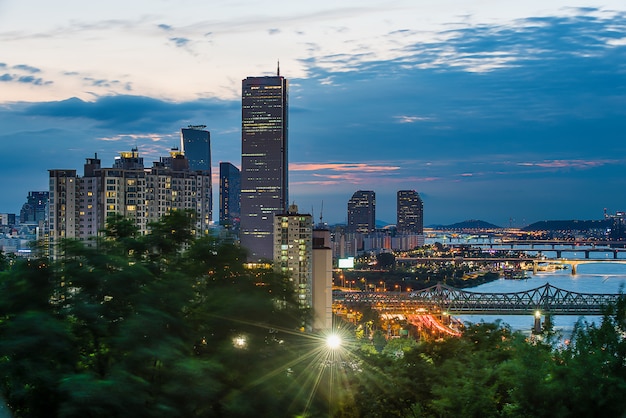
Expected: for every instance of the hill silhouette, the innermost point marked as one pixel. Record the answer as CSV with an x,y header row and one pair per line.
x,y
470,224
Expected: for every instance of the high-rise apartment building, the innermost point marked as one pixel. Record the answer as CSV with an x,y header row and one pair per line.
x,y
362,212
293,251
80,206
410,212
195,143
264,176
62,207
230,191
122,190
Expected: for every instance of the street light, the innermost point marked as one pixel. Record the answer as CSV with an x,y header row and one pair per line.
x,y
333,341
240,342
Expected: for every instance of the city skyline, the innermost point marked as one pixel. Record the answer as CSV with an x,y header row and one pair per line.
x,y
507,114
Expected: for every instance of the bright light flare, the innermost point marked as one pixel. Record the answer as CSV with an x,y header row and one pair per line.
x,y
333,341
240,342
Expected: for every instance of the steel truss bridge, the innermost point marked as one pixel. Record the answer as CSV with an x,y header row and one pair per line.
x,y
441,298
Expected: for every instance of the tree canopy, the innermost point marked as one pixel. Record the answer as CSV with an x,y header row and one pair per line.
x,y
167,324
144,326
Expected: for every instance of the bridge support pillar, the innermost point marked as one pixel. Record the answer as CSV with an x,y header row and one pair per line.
x,y
547,323
558,253
535,264
587,254
574,269
537,324
615,254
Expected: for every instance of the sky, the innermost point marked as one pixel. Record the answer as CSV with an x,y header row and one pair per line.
x,y
508,112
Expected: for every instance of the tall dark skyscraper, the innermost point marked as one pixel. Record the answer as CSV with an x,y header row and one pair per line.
x,y
230,191
362,212
410,212
34,210
195,142
263,162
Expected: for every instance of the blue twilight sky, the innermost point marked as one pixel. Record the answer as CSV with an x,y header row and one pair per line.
x,y
494,110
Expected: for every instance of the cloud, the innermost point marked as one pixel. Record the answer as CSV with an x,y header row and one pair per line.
x,y
74,27
521,108
29,79
101,82
343,167
24,79
412,119
180,42
165,27
617,42
26,68
273,31
125,112
579,164
318,182
135,137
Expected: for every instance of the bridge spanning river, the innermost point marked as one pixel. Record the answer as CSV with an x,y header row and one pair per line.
x,y
441,298
536,261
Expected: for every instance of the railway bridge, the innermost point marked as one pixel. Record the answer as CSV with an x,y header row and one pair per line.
x,y
438,299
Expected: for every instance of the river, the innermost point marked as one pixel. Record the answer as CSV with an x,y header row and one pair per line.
x,y
590,278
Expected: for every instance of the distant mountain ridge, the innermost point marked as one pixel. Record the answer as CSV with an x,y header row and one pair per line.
x,y
554,225
571,225
468,224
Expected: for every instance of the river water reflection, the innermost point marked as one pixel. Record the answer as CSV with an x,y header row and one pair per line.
x,y
602,277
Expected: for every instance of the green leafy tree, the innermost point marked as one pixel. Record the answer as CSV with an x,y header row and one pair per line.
x,y
4,261
147,326
386,260
379,341
36,346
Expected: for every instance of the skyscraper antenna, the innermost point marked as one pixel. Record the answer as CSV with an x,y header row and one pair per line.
x,y
278,68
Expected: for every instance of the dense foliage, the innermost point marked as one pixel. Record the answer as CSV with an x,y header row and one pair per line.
x,y
493,372
168,325
155,325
